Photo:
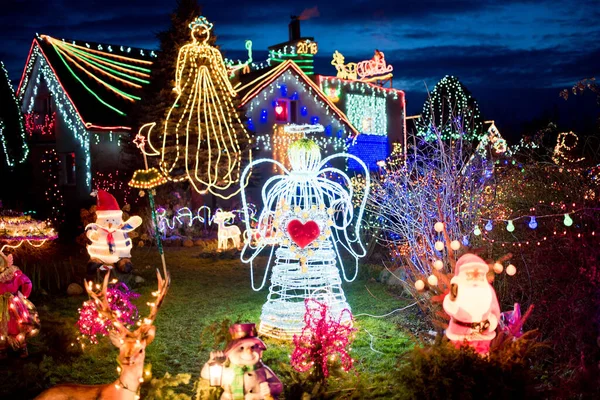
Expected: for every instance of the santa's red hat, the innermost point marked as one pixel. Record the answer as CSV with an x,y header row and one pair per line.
x,y
468,262
106,202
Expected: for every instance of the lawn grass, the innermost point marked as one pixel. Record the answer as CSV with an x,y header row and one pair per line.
x,y
204,291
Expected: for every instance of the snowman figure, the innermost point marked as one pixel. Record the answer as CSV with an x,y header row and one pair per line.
x,y
472,305
243,376
110,243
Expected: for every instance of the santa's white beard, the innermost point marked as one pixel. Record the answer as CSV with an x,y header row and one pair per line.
x,y
474,300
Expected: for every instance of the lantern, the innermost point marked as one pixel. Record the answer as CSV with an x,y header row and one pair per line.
x,y
215,371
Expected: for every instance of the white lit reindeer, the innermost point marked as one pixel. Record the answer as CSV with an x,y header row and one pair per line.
x,y
227,232
132,351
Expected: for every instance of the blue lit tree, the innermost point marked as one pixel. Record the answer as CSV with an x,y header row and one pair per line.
x,y
439,181
451,112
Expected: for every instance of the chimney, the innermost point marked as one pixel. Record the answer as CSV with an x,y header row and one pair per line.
x,y
294,28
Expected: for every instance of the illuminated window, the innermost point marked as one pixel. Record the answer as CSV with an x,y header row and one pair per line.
x,y
367,113
282,114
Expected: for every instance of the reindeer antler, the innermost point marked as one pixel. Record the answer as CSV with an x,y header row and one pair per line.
x,y
163,287
101,300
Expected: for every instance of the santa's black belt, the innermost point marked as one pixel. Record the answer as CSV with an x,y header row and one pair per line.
x,y
479,326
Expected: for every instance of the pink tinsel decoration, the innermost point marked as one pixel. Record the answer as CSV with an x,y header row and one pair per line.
x,y
322,338
92,325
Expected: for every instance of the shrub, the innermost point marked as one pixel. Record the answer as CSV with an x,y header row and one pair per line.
x,y
441,371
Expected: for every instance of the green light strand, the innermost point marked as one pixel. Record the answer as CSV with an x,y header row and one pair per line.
x,y
109,60
24,145
85,86
113,88
104,67
276,53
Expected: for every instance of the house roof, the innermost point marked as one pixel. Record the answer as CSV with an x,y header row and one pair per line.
x,y
102,81
363,86
253,83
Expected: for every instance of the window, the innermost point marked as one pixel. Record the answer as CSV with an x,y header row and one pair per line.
x,y
43,104
294,111
367,113
68,168
282,114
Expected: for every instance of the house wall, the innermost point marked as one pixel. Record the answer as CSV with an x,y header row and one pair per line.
x,y
105,151
65,144
370,145
268,132
260,113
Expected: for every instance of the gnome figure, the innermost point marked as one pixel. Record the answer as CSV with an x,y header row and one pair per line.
x,y
472,305
18,317
242,376
110,243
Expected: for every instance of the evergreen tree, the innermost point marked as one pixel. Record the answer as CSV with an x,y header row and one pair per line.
x,y
14,150
208,120
450,110
158,96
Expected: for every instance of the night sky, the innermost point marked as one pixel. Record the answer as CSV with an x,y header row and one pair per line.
x,y
514,56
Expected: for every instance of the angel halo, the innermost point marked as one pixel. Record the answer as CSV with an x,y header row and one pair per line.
x,y
306,219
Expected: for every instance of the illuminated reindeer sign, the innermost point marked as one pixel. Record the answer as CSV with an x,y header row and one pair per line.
x,y
132,351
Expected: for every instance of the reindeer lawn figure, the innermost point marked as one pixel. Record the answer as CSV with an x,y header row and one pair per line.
x,y
131,345
227,232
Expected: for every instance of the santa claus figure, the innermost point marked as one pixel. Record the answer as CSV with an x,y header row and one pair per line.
x,y
472,305
18,317
110,243
243,376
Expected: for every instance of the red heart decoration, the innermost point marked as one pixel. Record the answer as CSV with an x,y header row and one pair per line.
x,y
303,234
278,109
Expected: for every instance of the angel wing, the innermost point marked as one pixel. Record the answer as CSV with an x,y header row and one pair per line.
x,y
263,235
346,229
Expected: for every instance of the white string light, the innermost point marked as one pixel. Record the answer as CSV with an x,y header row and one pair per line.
x,y
303,200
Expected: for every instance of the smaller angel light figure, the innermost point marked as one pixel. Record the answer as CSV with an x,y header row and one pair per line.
x,y
307,217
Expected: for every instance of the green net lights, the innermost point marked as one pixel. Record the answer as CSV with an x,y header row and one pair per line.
x,y
510,226
533,223
568,221
451,112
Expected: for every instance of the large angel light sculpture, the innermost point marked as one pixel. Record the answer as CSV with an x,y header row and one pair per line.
x,y
307,218
199,141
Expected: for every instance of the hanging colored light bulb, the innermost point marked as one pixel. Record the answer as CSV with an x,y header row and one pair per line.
x,y
568,221
465,240
476,231
533,223
489,226
510,226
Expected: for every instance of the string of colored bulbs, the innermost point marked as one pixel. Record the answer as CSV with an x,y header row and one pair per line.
x,y
533,224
